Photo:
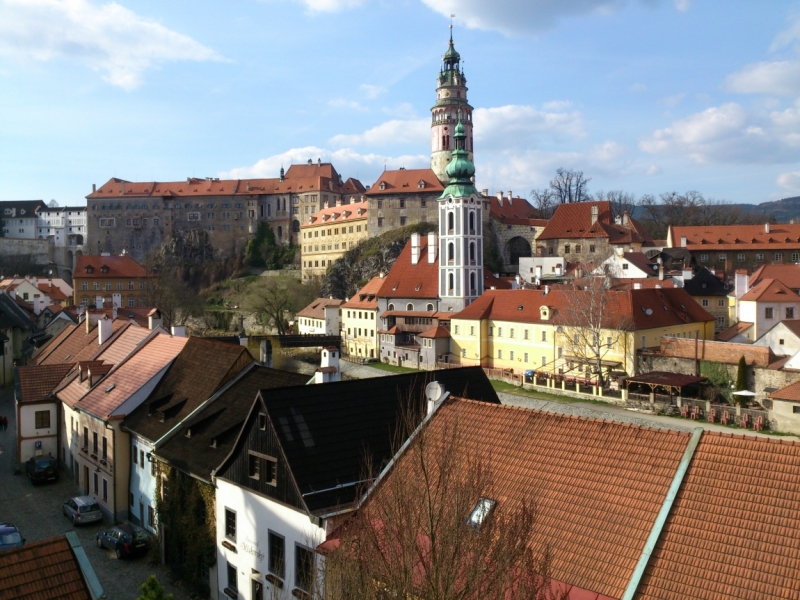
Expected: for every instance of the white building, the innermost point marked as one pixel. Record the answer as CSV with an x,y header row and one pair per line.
x,y
65,224
542,268
629,265
764,306
321,317
783,339
20,218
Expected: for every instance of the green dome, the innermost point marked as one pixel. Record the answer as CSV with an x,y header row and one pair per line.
x,y
460,168
451,55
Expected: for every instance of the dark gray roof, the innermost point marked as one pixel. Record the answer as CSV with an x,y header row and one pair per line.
x,y
705,283
12,315
221,420
17,206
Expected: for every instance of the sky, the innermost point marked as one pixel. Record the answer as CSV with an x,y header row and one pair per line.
x,y
646,96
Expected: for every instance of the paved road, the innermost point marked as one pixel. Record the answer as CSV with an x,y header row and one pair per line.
x,y
37,513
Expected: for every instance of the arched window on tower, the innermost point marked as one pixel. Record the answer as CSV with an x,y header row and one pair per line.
x,y
450,222
472,252
280,232
472,222
450,280
451,250
473,290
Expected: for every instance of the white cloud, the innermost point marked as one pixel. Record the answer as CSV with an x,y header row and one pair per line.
x,y
107,38
404,110
390,133
331,5
525,16
789,181
372,91
344,103
653,170
522,125
348,162
781,78
731,134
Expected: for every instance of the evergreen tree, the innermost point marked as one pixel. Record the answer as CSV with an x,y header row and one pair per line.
x,y
741,375
152,590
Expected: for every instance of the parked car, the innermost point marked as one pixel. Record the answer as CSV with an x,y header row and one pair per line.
x,y
42,468
10,537
82,509
125,540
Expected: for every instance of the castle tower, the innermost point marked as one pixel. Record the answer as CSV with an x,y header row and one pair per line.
x,y
460,230
451,97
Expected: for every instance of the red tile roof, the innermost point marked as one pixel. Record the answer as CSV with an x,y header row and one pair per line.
x,y
574,221
367,296
770,290
597,485
43,570
436,332
781,236
53,291
732,531
90,267
627,309
37,381
731,332
649,283
790,392
406,181
334,215
316,310
405,280
789,275
517,211
105,400
74,344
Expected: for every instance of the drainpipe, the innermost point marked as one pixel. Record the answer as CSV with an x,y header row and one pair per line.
x,y
661,519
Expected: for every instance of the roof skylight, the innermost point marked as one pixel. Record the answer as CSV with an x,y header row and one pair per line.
x,y
481,511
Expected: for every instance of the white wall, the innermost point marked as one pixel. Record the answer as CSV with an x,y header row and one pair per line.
x,y
28,435
772,339
142,483
256,516
754,312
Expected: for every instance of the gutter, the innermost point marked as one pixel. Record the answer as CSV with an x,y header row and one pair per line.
x,y
89,577
661,519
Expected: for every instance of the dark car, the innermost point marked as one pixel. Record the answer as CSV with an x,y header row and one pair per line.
x,y
125,540
42,468
10,537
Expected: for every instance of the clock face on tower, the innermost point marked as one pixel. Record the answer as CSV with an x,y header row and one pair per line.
x,y
447,94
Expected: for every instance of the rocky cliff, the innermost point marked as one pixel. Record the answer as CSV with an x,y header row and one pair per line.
x,y
368,259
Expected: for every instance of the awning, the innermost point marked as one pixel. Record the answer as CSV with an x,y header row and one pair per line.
x,y
665,379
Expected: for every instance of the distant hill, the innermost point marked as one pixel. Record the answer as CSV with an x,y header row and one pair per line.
x,y
783,210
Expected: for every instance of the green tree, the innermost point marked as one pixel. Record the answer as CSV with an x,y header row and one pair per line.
x,y
263,251
741,375
152,590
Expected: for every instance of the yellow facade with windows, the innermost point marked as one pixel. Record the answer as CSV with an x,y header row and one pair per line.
x,y
328,234
359,322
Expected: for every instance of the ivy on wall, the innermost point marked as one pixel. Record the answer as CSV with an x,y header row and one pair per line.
x,y
718,376
187,524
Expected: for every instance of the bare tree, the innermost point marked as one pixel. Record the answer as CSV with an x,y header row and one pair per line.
x,y
689,208
168,292
544,201
273,300
570,186
621,202
421,535
591,324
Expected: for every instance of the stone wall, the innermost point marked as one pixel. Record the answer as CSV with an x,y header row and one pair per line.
x,y
393,211
506,232
41,251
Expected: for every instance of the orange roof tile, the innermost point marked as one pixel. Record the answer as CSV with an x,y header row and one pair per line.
x,y
732,331
436,332
790,392
644,282
94,266
732,531
37,381
76,345
770,290
596,500
334,215
789,275
574,221
781,236
53,291
406,181
405,280
106,399
517,210
367,296
43,570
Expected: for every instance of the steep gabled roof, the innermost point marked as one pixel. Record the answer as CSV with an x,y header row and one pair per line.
x,y
780,236
94,266
12,315
789,275
770,290
201,368
36,382
405,280
406,181
705,283
574,221
367,296
75,345
316,310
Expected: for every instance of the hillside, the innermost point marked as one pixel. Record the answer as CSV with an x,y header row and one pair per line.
x,y
348,274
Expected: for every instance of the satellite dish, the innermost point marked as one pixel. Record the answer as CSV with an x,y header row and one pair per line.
x,y
434,391
648,312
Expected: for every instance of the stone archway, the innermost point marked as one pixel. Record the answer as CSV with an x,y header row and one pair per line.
x,y
516,248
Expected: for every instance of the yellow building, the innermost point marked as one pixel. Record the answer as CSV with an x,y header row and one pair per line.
x,y
329,233
117,279
360,321
570,332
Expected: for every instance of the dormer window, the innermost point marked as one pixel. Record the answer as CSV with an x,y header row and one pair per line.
x,y
421,184
544,313
104,269
90,269
383,185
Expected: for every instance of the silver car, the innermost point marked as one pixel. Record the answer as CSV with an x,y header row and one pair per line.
x,y
82,509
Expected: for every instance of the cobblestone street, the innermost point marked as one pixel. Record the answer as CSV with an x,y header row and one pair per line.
x,y
36,511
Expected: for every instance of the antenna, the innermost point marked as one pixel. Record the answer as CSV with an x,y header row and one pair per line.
x,y
452,16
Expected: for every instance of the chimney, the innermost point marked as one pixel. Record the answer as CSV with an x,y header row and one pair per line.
x,y
338,202
637,286
414,248
500,197
92,317
661,272
178,331
509,197
625,218
687,275
683,241
766,227
595,211
740,283
310,162
123,187
247,186
485,192
517,283
154,319
546,290
94,188
98,302
104,330
431,248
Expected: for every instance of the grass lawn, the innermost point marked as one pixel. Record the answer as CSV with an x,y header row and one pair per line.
x,y
508,388
392,368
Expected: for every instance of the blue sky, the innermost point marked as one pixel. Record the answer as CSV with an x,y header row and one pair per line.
x,y
647,96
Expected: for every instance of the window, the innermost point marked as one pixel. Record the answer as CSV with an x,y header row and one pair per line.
x,y
95,483
262,420
105,489
796,409
230,524
721,303
511,355
232,578
704,258
740,257
624,266
577,248
153,466
94,442
723,257
499,354
277,554
303,567
135,454
790,312
759,258
130,285
705,301
544,335
491,331
380,221
402,221
721,321
253,467
96,285
141,458
795,257
481,511
42,419
84,286
566,248
105,448
768,312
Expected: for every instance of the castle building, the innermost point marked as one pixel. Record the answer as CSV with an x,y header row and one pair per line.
x,y
451,105
328,234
